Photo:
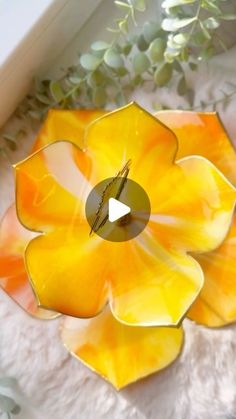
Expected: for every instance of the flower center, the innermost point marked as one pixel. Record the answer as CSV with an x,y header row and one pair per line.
x,y
112,190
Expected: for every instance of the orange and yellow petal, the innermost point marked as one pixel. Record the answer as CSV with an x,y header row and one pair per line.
x,y
69,271
131,133
68,125
216,304
119,353
193,206
52,186
202,134
150,285
13,277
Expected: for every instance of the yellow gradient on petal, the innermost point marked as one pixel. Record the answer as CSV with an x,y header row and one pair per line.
x,y
68,271
13,277
193,206
216,304
68,125
150,285
52,186
119,353
131,133
202,134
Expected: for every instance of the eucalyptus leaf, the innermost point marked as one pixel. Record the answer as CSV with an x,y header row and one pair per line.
x,y
39,86
172,25
173,50
177,66
163,74
157,49
121,71
199,38
75,96
151,31
56,91
113,59
190,96
16,410
75,80
95,78
211,23
99,97
184,54
126,49
37,115
100,46
89,62
211,6
46,83
170,56
142,44
43,99
181,39
207,53
141,63
171,44
132,38
137,80
117,48
193,66
174,3
7,404
8,137
11,141
182,87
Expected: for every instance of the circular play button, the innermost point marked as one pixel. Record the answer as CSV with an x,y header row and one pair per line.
x,y
117,209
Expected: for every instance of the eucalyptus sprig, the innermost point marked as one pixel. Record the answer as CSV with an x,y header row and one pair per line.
x,y
158,54
8,406
100,76
130,8
223,100
192,27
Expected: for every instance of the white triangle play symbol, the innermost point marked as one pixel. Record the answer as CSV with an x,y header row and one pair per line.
x,y
117,210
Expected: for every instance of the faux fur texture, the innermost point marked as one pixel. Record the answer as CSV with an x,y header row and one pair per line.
x,y
201,384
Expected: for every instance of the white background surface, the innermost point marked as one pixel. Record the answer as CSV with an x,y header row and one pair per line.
x,y
202,382
33,34
20,17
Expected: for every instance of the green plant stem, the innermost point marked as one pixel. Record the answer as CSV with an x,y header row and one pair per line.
x,y
196,21
214,103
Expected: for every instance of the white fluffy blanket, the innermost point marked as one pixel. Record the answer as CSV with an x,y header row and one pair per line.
x,y
201,384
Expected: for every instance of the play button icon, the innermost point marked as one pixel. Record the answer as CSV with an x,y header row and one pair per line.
x,y
116,210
